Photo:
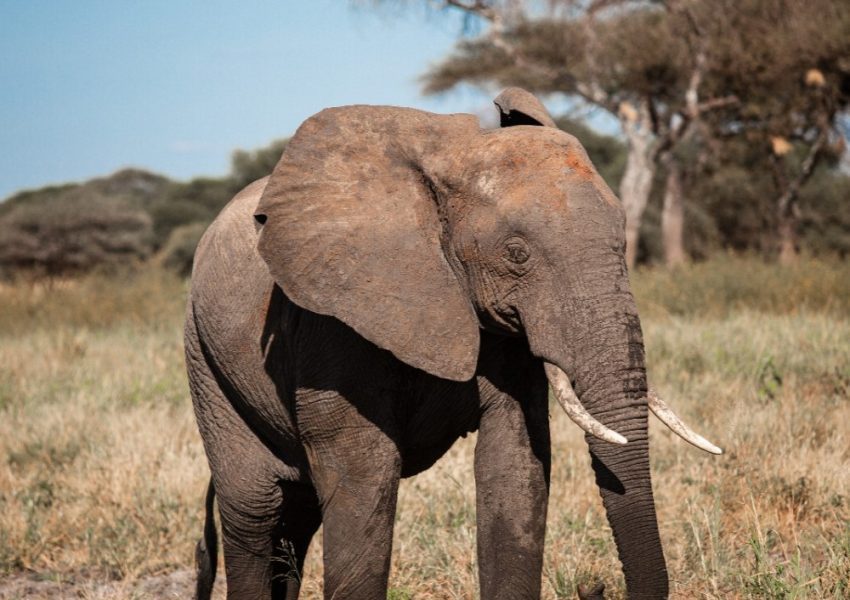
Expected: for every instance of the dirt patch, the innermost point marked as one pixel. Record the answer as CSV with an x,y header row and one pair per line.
x,y
35,586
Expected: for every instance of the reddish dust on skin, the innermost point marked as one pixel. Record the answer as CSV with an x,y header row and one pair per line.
x,y
583,170
575,162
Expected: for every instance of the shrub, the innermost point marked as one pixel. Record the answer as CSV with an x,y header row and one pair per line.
x,y
179,251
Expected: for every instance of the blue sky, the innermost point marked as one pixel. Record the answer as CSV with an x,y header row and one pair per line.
x,y
90,86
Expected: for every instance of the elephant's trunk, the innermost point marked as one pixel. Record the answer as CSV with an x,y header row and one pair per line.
x,y
623,476
598,343
610,377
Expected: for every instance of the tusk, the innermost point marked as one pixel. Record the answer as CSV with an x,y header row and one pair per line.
x,y
572,406
666,415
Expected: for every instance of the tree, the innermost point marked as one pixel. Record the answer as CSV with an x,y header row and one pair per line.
x,y
178,253
248,166
67,229
676,73
200,200
794,87
73,232
125,217
195,201
642,62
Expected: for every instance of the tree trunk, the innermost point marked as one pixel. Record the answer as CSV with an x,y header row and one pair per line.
x,y
787,209
787,237
673,216
636,183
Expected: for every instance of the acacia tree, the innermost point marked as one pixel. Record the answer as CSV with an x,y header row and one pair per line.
x,y
790,63
73,232
677,73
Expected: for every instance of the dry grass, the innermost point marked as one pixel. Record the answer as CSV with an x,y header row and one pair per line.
x,y
102,472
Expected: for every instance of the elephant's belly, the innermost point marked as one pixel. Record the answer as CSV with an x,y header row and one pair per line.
x,y
416,460
435,424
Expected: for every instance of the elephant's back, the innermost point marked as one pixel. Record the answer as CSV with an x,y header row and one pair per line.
x,y
235,312
228,276
231,239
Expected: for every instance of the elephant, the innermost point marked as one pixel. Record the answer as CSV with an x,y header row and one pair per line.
x,y
401,279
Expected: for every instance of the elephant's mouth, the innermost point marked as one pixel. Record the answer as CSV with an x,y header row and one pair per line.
x,y
571,404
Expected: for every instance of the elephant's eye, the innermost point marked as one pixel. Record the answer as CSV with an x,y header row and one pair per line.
x,y
517,252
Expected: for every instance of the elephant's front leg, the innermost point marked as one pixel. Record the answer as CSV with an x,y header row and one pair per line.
x,y
356,468
512,460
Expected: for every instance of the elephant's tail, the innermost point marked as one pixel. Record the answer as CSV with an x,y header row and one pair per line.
x,y
206,552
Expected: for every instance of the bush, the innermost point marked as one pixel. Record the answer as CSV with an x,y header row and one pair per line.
x,y
727,283
825,219
179,251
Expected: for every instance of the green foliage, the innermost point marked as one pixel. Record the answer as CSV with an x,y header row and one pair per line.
x,y
196,201
825,207
134,186
200,200
251,166
767,66
179,250
628,54
785,81
769,380
736,192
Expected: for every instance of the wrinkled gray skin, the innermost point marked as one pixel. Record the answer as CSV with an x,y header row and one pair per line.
x,y
396,283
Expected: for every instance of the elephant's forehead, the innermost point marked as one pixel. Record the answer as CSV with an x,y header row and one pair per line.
x,y
554,183
527,168
517,147
533,162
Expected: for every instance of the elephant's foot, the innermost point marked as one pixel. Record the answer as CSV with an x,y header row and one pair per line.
x,y
597,592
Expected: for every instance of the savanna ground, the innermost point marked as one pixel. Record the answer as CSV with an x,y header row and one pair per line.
x,y
102,473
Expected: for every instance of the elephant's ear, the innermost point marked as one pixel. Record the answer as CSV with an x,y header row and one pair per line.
x,y
351,228
519,107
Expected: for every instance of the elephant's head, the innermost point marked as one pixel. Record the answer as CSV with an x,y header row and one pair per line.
x,y
419,229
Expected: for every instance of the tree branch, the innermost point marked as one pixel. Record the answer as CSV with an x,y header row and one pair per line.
x,y
691,114
807,167
715,103
589,91
480,8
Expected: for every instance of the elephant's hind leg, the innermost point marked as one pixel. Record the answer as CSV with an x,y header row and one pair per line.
x,y
267,520
266,534
266,523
